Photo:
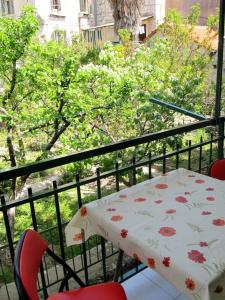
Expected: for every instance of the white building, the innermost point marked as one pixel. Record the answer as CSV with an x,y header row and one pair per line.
x,y
58,18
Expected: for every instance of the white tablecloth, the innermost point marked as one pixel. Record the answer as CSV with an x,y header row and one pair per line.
x,y
174,223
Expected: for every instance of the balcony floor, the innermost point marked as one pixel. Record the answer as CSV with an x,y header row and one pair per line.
x,y
148,285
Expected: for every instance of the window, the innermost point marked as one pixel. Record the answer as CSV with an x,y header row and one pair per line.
x,y
83,5
7,7
55,5
59,36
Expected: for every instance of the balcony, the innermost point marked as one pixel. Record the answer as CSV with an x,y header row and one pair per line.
x,y
50,207
97,256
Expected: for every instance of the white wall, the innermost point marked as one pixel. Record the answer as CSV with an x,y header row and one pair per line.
x,y
18,5
66,19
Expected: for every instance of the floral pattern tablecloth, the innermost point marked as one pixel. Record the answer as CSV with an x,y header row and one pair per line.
x,y
174,223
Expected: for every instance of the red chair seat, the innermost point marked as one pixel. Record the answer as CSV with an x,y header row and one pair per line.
x,y
104,291
218,169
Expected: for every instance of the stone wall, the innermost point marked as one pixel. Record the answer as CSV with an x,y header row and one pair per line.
x,y
103,12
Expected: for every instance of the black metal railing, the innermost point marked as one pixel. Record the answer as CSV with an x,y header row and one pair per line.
x,y
192,146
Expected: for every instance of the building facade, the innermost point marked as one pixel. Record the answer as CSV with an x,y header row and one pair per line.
x,y
58,18
102,25
153,12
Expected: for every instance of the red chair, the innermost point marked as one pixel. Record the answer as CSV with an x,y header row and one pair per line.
x,y
217,169
29,252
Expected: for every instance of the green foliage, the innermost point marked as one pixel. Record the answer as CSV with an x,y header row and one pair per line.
x,y
61,98
195,14
125,36
213,20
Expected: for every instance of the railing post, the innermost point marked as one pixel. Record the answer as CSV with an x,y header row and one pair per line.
x,y
220,122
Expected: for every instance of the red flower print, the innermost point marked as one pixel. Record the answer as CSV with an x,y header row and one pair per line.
x,y
196,256
210,189
210,198
219,222
124,233
78,237
140,199
158,201
166,261
181,199
190,284
187,193
116,218
135,256
191,175
203,244
199,181
170,211
122,196
167,231
111,209
161,186
151,263
205,213
83,211
218,289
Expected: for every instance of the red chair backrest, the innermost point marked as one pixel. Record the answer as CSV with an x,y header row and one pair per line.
x,y
30,250
218,169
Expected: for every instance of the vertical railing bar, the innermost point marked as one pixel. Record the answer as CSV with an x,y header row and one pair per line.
x,y
81,256
32,210
34,223
189,155
99,195
96,241
200,156
73,261
7,227
177,156
46,270
117,177
150,165
134,171
121,272
89,252
99,192
84,251
164,160
59,225
103,259
56,271
211,150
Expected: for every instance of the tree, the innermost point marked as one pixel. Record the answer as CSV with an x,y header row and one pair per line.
x,y
126,14
173,68
35,103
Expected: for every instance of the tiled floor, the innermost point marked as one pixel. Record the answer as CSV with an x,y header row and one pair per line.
x,y
148,285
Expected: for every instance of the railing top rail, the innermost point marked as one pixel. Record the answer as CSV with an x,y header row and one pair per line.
x,y
10,173
179,109
91,179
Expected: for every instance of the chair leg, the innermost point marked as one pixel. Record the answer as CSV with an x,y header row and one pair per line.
x,y
118,266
